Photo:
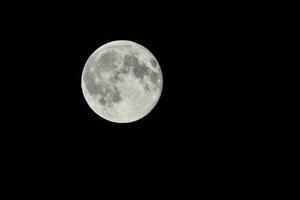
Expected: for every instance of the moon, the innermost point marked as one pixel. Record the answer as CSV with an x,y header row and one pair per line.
x,y
122,81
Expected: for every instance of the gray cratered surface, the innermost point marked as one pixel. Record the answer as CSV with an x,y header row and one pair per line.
x,y
122,81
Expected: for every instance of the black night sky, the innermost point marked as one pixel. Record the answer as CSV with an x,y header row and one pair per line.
x,y
199,48
210,130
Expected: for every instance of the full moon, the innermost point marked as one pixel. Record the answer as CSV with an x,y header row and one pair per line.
x,y
122,81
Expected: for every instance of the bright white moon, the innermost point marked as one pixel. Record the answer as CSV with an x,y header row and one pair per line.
x,y
122,81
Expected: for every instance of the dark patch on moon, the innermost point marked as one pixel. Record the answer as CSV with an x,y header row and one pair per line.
x,y
116,95
102,101
116,77
130,60
153,62
107,61
139,70
108,96
154,77
146,87
104,91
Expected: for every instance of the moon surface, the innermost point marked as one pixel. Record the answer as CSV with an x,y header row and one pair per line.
x,y
122,81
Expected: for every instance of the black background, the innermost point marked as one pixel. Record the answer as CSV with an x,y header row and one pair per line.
x,y
205,129
205,52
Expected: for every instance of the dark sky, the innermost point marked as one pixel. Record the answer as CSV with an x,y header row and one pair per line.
x,y
199,47
208,129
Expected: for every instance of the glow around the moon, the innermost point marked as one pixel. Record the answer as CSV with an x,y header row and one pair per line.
x,y
122,81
